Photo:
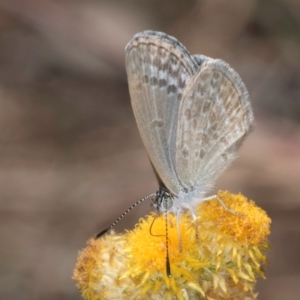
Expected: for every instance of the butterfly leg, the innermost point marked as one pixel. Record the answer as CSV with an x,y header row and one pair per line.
x,y
194,216
209,198
223,204
178,228
227,208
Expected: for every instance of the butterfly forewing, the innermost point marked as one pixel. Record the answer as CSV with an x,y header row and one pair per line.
x,y
214,116
158,68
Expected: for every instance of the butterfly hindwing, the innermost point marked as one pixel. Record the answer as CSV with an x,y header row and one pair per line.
x,y
215,115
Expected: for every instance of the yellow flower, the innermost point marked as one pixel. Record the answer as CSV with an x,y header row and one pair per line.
x,y
219,257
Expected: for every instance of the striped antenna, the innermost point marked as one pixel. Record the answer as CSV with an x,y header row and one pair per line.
x,y
123,215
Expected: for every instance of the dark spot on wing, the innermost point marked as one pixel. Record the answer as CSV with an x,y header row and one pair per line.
x,y
224,141
146,79
206,106
202,153
181,83
185,153
224,156
171,88
162,82
153,81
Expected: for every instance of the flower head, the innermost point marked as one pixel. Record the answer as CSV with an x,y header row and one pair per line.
x,y
218,257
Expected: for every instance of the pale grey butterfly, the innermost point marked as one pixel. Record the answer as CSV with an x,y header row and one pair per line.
x,y
192,112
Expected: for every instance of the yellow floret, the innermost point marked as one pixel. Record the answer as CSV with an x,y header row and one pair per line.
x,y
219,257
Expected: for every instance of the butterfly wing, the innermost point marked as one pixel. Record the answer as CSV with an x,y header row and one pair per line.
x,y
215,115
158,69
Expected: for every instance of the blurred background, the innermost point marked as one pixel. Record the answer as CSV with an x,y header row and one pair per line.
x,y
71,158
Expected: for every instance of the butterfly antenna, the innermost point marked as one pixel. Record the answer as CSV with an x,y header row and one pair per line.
x,y
123,215
168,267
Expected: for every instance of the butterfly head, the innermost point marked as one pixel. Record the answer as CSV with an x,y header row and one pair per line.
x,y
163,200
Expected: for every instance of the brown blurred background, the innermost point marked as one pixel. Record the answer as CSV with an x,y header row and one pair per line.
x,y
71,159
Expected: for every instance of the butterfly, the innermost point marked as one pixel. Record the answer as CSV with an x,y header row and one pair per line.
x,y
192,112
